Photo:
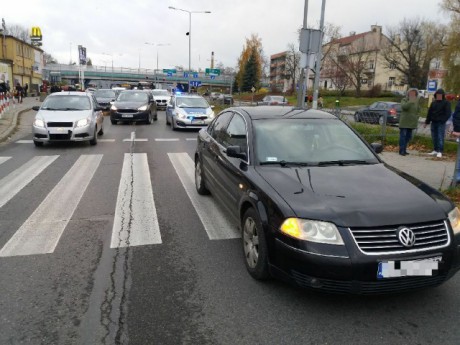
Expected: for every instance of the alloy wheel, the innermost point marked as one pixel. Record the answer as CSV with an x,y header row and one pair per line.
x,y
251,242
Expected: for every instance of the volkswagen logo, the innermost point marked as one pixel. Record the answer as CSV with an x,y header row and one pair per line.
x,y
406,237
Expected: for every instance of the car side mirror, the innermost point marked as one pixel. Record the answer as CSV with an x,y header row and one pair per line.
x,y
212,106
235,152
377,147
36,108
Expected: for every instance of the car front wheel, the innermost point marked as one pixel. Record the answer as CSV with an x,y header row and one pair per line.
x,y
255,246
199,179
94,140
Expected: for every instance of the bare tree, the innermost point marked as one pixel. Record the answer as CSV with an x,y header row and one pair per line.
x,y
292,65
18,31
49,59
451,52
410,48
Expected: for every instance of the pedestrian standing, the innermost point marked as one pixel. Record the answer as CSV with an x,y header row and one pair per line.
x,y
408,120
438,114
26,88
19,91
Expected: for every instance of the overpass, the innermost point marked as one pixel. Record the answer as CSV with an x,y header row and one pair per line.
x,y
103,76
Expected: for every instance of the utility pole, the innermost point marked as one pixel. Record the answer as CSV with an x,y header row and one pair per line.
x,y
303,62
318,58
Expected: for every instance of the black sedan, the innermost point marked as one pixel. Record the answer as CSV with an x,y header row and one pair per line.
x,y
105,97
317,206
379,112
134,106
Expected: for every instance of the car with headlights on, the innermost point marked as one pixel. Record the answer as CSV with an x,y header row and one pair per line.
x,y
317,207
68,116
188,111
161,97
105,97
134,106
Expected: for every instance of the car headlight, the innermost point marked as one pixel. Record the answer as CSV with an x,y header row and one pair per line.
x,y
113,107
454,218
211,115
39,123
83,122
312,230
180,115
143,108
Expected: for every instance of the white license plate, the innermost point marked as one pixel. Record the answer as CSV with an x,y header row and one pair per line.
x,y
424,267
198,122
127,115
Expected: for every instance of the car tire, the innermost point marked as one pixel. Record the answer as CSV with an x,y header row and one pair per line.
x,y
173,126
38,143
101,131
254,245
357,117
94,140
199,178
149,120
380,120
167,122
114,122
155,117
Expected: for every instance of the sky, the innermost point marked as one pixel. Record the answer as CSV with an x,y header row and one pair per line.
x,y
117,31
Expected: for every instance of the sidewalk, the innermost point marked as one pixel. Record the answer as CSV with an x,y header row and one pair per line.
x,y
435,172
9,119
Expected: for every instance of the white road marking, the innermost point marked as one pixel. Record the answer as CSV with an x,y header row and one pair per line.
x,y
11,184
215,222
166,139
130,140
106,140
4,159
24,142
191,139
42,230
136,221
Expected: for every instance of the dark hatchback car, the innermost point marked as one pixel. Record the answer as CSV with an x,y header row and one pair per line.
x,y
105,97
134,106
317,206
379,112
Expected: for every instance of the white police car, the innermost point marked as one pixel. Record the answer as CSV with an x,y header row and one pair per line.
x,y
188,111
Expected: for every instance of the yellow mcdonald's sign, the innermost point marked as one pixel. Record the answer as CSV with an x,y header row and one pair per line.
x,y
36,32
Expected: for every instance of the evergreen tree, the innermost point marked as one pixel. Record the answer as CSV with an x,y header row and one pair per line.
x,y
250,73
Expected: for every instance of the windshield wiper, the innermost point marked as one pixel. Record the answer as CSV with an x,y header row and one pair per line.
x,y
284,163
71,109
47,108
343,162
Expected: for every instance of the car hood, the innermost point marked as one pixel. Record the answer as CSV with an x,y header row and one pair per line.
x,y
62,116
129,105
355,196
193,111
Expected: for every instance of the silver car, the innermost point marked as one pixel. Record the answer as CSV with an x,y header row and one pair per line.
x,y
68,116
188,111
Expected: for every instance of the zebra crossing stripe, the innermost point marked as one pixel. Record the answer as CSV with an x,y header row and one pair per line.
x,y
4,159
24,142
42,230
216,223
13,183
136,221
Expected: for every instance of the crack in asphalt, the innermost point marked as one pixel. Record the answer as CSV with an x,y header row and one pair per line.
x,y
121,255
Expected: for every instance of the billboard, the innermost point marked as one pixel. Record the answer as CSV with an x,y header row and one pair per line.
x,y
82,55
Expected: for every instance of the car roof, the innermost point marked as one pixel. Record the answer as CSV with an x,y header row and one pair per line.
x,y
69,93
270,112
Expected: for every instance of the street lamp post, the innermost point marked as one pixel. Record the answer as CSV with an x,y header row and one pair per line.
x,y
157,45
189,37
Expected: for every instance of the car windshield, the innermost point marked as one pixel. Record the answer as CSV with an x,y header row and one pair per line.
x,y
66,103
132,97
310,142
160,93
105,94
192,102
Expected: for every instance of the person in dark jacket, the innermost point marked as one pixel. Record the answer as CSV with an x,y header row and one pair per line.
x,y
438,114
408,119
456,120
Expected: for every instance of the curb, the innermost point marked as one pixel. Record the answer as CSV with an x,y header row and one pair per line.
x,y
4,136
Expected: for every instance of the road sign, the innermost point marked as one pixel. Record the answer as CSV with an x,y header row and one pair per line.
x,y
253,89
169,74
195,75
185,75
213,77
212,71
432,85
195,83
167,71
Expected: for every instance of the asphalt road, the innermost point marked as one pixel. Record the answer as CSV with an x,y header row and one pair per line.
x,y
77,268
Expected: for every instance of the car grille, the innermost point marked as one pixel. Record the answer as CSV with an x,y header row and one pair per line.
x,y
161,101
384,240
60,124
131,111
60,136
383,286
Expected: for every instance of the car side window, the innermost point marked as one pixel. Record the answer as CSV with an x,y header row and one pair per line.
x,y
236,133
373,105
218,130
